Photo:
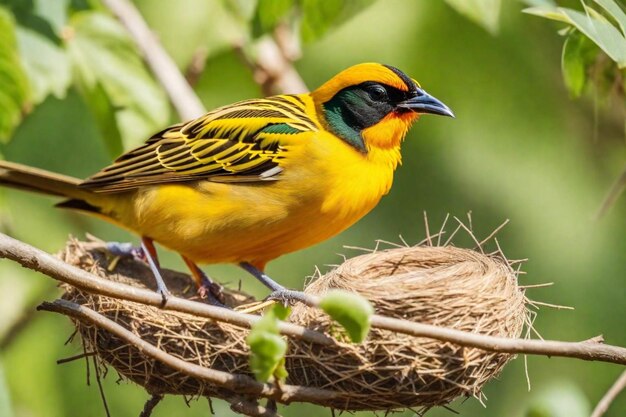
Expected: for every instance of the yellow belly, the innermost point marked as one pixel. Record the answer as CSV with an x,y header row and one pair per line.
x,y
209,222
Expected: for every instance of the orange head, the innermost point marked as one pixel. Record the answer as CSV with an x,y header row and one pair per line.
x,y
373,105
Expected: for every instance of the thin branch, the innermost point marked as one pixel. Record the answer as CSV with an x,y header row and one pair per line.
x,y
152,402
100,387
612,195
75,357
238,383
610,395
196,66
182,96
38,260
272,63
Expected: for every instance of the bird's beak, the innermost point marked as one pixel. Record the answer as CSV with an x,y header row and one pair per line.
x,y
423,102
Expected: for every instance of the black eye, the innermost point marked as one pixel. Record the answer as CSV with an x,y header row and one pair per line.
x,y
377,92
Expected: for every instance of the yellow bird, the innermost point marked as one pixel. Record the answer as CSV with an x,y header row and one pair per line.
x,y
251,181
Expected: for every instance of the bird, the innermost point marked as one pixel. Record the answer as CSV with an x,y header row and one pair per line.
x,y
251,181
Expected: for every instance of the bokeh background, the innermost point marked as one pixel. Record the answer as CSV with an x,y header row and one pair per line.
x,y
519,149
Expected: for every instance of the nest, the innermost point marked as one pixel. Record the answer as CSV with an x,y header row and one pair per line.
x,y
444,286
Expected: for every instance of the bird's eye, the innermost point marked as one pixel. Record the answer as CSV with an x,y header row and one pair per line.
x,y
377,93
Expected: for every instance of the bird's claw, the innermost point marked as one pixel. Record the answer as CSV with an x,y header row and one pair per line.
x,y
287,297
212,292
165,295
126,249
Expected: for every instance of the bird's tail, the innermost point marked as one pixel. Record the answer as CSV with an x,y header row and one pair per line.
x,y
45,182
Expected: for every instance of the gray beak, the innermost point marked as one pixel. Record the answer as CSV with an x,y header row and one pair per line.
x,y
425,103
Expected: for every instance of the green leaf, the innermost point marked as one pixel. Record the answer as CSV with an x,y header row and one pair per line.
x,y
318,16
14,93
615,11
573,65
549,12
47,65
350,310
602,33
102,54
27,13
486,13
539,3
268,14
103,111
267,346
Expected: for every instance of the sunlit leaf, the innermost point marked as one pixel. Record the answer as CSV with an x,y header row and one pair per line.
x,y
55,12
539,3
267,346
602,33
14,93
26,15
102,53
268,14
615,11
350,310
593,25
318,16
46,64
486,13
549,12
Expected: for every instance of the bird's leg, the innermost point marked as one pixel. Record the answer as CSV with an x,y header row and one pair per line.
x,y
144,253
279,293
207,288
153,261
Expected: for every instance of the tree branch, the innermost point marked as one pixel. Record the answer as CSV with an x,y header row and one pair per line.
x,y
610,395
272,65
47,264
182,96
241,384
150,404
38,260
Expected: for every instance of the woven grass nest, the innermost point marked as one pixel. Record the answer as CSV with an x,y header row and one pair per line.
x,y
444,286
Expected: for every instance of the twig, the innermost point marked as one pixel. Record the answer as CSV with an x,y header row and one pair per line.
x,y
148,407
47,264
100,387
612,195
75,357
271,64
196,66
182,96
238,383
610,395
38,260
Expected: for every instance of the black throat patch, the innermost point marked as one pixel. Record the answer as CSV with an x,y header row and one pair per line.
x,y
351,110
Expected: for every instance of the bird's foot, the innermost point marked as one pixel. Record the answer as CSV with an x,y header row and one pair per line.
x,y
212,293
287,297
127,249
165,295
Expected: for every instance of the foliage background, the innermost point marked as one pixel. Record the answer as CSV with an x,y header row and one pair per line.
x,y
519,148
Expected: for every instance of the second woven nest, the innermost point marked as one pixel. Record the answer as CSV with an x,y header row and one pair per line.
x,y
444,286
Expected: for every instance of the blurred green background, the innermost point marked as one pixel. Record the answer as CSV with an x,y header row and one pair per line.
x,y
519,149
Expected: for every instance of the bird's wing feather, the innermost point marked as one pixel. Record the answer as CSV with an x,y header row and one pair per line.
x,y
242,142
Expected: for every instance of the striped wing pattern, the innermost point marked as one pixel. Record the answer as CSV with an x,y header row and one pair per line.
x,y
243,142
